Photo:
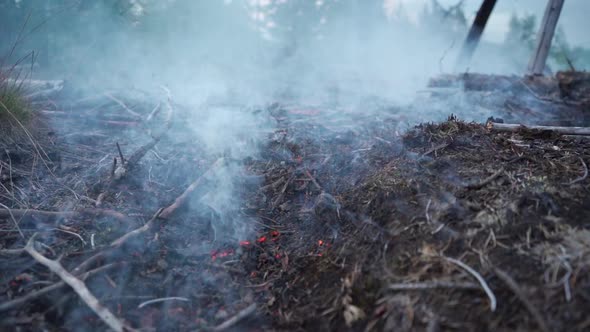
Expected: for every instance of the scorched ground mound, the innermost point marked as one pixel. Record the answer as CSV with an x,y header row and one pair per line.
x,y
355,224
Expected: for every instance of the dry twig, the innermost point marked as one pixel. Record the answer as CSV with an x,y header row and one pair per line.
x,y
5,213
118,243
46,290
509,127
479,278
484,182
237,318
180,200
432,285
581,178
78,286
6,208
122,104
163,299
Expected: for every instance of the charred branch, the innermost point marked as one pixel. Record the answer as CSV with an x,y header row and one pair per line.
x,y
79,287
584,131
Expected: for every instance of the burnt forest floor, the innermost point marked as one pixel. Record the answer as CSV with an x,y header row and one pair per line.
x,y
329,225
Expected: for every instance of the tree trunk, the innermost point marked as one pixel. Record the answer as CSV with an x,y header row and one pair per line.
x,y
544,37
479,24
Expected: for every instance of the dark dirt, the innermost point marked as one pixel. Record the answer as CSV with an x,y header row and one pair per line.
x,y
342,209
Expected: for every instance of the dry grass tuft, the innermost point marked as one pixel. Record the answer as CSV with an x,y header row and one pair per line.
x,y
14,106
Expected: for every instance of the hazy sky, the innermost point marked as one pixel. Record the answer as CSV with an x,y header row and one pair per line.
x,y
574,17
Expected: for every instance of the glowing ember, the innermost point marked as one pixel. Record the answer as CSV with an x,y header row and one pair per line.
x,y
320,243
245,243
275,233
220,254
261,239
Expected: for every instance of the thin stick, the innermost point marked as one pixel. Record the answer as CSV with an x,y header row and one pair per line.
x,y
11,252
5,212
312,178
122,104
180,200
121,240
432,285
583,177
46,290
114,168
120,153
13,220
484,182
163,299
479,278
72,233
127,165
511,283
510,127
153,113
237,318
118,243
78,286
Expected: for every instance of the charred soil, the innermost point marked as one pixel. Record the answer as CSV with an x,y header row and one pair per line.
x,y
446,226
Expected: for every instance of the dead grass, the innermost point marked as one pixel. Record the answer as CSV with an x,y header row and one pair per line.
x,y
14,106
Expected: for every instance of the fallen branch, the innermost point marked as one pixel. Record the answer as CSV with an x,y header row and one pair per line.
x,y
237,318
508,127
511,283
124,238
181,200
125,165
78,286
479,278
46,290
117,243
